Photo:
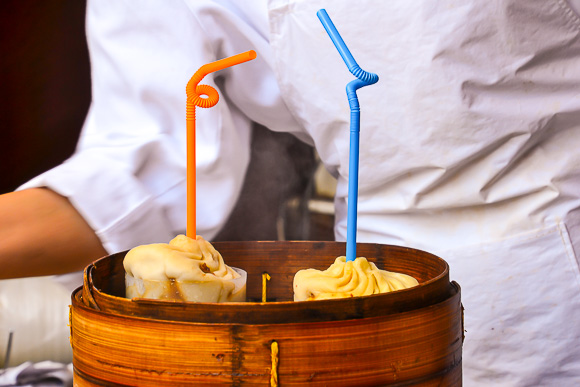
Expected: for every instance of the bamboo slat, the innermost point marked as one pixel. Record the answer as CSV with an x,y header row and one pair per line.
x,y
409,337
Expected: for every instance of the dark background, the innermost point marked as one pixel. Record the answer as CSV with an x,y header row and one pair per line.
x,y
45,86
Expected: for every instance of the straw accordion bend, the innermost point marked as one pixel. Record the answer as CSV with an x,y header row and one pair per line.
x,y
194,93
364,78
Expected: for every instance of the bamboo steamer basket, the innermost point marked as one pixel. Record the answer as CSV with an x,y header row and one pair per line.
x,y
408,337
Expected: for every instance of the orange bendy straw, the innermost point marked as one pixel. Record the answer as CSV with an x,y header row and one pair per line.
x,y
203,96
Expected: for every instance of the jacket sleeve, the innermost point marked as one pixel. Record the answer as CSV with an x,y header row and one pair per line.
x,y
127,177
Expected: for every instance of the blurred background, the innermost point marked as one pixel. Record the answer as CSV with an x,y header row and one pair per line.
x,y
46,90
45,95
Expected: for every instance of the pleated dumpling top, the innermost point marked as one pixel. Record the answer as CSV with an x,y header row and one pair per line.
x,y
348,279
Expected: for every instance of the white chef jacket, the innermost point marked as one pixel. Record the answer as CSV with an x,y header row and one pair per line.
x,y
468,146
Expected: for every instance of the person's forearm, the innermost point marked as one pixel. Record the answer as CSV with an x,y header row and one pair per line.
x,y
41,233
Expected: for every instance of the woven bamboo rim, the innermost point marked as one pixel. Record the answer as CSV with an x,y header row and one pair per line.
x,y
104,285
410,337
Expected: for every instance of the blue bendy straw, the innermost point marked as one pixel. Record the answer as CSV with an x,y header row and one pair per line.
x,y
364,78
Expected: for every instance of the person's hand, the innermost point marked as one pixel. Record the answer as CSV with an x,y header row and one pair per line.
x,y
41,233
